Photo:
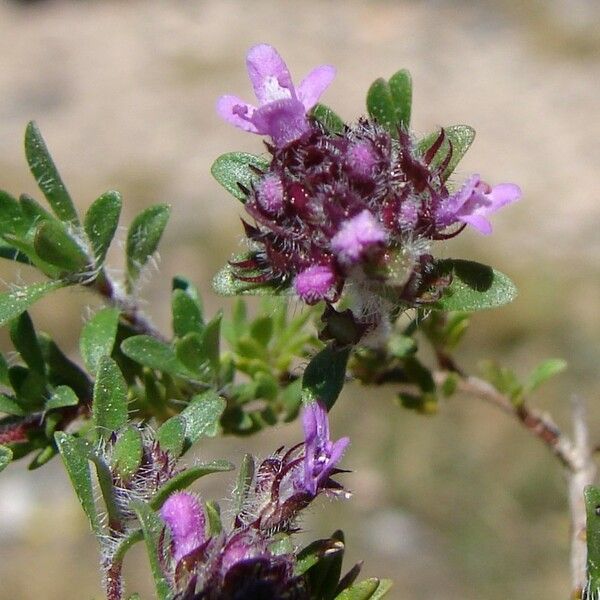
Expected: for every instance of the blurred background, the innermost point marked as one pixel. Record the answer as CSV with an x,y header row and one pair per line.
x,y
463,505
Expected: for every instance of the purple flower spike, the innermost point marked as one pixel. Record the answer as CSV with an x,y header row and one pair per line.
x,y
321,454
355,236
186,521
475,201
314,283
282,108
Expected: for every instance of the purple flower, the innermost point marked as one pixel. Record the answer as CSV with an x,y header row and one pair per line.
x,y
282,108
475,201
356,235
314,283
321,454
186,521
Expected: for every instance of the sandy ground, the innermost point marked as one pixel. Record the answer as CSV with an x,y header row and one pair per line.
x,y
124,93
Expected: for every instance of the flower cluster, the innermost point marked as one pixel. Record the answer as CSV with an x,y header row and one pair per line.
x,y
241,563
357,208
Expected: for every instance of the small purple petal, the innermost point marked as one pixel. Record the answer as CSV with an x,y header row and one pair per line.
x,y
236,112
314,283
321,454
474,202
357,235
269,194
314,84
186,521
269,75
283,120
478,222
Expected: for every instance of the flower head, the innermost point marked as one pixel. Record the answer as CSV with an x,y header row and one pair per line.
x,y
321,455
282,108
475,201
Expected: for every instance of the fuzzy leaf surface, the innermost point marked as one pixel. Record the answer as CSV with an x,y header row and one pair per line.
x,y
236,167
101,222
47,176
16,301
474,287
98,337
143,238
75,457
109,409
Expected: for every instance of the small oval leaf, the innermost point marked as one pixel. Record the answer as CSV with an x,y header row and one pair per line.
x,y
46,174
98,337
13,303
238,167
101,222
474,287
54,245
143,237
109,408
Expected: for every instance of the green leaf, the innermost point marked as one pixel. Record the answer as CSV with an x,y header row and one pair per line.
x,y
187,313
63,396
328,118
16,301
474,287
154,354
324,376
11,406
505,380
12,220
9,252
47,176
389,103
4,371
101,222
127,453
25,341
109,409
5,457
191,354
54,245
369,589
202,417
75,457
184,479
238,167
261,330
544,371
153,528
211,337
323,576
42,457
226,283
457,139
213,515
243,483
62,370
171,435
143,237
592,506
98,337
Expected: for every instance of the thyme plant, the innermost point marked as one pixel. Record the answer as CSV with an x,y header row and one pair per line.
x,y
342,217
